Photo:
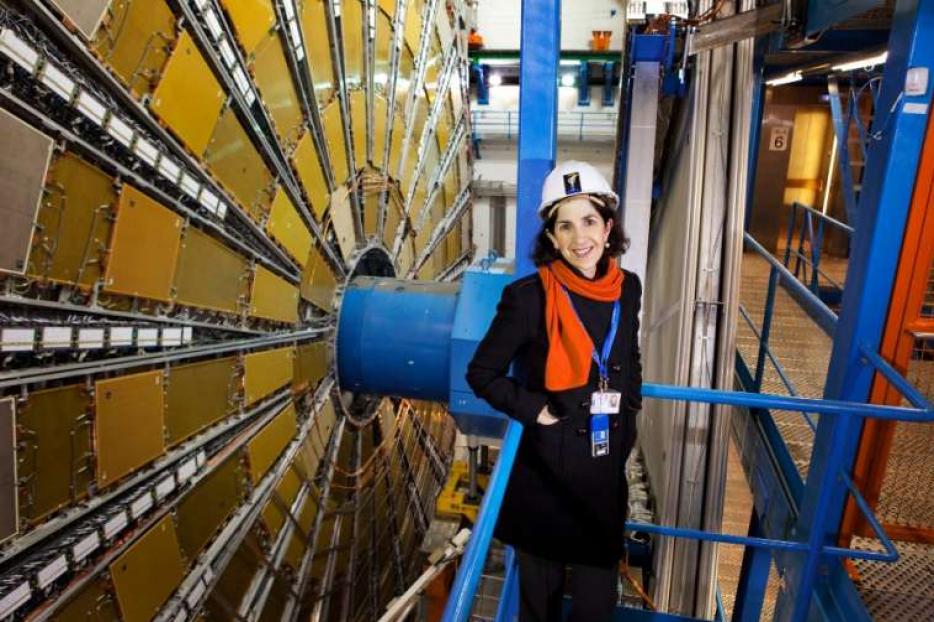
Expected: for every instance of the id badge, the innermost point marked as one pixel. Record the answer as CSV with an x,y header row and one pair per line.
x,y
605,402
599,435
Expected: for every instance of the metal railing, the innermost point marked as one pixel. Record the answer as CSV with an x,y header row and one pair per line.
x,y
804,246
578,125
468,576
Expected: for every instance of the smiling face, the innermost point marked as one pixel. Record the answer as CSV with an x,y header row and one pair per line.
x,y
580,234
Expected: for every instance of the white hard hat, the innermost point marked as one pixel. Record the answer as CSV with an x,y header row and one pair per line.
x,y
572,178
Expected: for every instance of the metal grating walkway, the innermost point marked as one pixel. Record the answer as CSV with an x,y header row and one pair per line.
x,y
892,592
900,591
800,346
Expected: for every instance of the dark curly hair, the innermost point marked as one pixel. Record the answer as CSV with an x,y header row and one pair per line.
x,y
545,252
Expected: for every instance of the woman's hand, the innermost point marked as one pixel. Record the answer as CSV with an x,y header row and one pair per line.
x,y
545,417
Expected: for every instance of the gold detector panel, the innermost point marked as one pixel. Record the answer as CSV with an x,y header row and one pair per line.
x,y
94,603
135,41
269,443
209,274
147,573
235,162
413,25
310,365
370,214
287,228
393,218
383,50
253,19
337,147
319,49
395,149
128,424
74,223
274,512
198,395
202,511
188,98
264,372
342,219
54,444
273,298
380,112
274,80
308,166
22,177
358,120
144,247
236,577
389,6
9,518
352,33
296,549
318,281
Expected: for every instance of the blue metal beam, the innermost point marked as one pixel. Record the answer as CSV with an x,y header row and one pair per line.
x,y
583,84
755,127
884,203
841,128
540,47
609,90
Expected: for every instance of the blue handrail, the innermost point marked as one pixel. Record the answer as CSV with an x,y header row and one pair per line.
x,y
468,576
901,384
814,306
782,374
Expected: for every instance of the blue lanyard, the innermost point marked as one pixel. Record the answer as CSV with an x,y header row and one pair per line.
x,y
604,357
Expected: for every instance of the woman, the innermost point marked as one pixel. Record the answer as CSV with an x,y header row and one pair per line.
x,y
566,501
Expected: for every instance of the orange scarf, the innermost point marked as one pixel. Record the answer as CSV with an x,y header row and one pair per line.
x,y
570,348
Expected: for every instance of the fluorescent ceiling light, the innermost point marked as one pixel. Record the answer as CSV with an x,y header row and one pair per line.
x,y
863,63
495,79
788,78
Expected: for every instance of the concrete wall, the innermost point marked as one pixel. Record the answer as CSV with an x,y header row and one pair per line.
x,y
498,22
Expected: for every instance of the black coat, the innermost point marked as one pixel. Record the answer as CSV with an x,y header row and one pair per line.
x,y
561,503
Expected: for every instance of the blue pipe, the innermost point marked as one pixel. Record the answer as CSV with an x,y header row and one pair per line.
x,y
465,585
394,337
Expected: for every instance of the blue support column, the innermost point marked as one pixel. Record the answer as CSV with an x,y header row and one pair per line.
x,y
609,93
483,83
583,84
883,209
842,130
753,578
755,126
540,48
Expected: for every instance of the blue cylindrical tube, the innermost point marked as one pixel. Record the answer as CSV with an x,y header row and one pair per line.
x,y
394,337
